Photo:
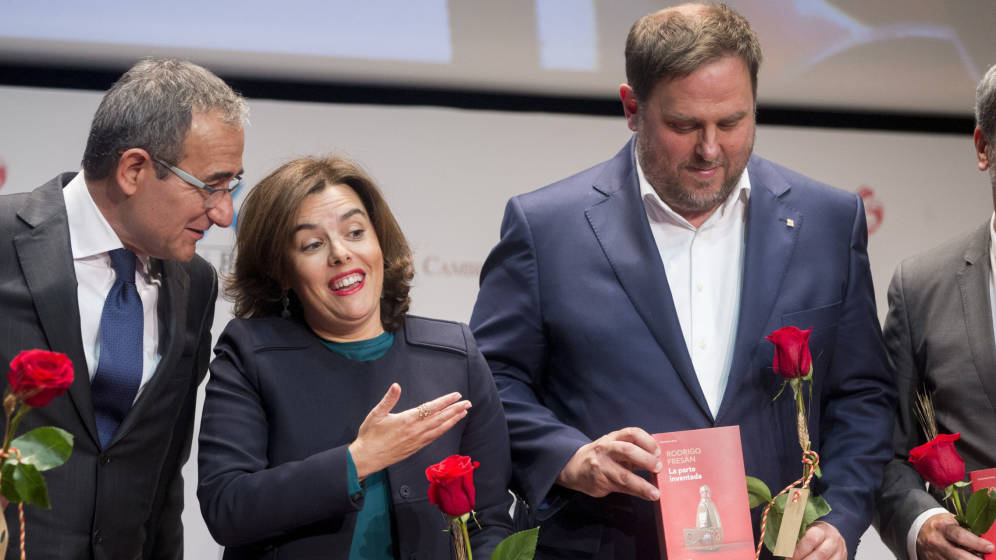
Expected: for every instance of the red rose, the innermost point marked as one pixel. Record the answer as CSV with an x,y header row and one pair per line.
x,y
37,376
938,462
451,484
792,358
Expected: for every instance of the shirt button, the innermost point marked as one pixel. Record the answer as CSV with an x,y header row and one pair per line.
x,y
405,491
699,288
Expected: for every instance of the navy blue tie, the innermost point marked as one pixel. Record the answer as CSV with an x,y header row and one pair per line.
x,y
119,369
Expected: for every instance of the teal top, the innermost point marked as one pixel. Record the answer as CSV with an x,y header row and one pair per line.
x,y
372,535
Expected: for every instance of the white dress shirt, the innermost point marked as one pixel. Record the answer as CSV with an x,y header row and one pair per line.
x,y
704,267
918,522
91,239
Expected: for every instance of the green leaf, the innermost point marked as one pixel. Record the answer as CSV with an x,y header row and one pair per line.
x,y
961,484
816,507
981,511
518,546
45,448
7,482
774,521
780,391
757,492
30,485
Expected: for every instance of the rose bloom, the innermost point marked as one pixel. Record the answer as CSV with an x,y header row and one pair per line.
x,y
38,376
938,462
451,484
792,358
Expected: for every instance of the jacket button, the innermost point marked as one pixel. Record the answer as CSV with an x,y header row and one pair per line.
x,y
405,491
104,459
97,537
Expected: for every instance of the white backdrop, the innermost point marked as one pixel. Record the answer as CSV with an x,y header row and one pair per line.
x,y
447,173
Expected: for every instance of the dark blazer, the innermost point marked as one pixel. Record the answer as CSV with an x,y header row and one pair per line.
x,y
123,501
578,325
939,335
281,410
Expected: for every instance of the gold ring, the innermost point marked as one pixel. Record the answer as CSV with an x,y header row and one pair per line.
x,y
424,412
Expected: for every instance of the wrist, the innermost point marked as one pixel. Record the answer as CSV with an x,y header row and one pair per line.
x,y
363,467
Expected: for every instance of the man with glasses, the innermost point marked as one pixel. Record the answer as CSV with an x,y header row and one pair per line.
x,y
101,265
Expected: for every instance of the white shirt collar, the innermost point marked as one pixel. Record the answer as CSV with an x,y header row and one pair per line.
x,y
741,193
90,235
992,253
89,232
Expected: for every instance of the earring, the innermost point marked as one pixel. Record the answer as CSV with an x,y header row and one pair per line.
x,y
285,301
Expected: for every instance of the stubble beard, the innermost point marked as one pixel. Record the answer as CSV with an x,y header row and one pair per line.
x,y
669,188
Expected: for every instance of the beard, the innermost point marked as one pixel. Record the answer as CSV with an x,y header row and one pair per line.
x,y
693,196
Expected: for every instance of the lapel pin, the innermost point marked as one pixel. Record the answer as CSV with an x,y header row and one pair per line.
x,y
790,222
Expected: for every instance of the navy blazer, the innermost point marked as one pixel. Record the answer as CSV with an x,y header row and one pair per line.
x,y
281,410
578,325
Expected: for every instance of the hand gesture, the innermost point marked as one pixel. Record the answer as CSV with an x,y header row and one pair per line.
x,y
606,465
941,537
385,438
822,541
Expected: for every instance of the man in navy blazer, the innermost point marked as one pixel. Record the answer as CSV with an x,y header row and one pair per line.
x,y
634,298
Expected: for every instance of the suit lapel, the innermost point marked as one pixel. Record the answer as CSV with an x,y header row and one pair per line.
x,y
772,231
46,260
172,312
620,225
973,284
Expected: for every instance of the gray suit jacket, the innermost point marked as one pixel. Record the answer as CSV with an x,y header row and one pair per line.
x,y
122,502
939,334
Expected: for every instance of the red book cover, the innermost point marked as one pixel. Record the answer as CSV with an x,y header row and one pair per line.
x,y
985,478
703,512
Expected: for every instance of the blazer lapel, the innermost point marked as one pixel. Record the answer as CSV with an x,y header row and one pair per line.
x,y
46,260
620,225
172,311
973,283
772,231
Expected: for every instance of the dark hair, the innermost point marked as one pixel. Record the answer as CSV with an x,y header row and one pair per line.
x,y
266,229
672,43
151,107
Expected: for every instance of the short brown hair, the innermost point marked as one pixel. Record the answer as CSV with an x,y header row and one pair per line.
x,y
266,228
672,44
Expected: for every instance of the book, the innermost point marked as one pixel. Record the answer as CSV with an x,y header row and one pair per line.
x,y
703,512
985,478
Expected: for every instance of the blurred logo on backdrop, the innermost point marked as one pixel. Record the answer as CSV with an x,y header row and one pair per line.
x,y
435,265
3,172
874,211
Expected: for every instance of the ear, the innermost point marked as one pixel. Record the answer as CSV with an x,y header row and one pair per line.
x,y
630,105
130,170
982,149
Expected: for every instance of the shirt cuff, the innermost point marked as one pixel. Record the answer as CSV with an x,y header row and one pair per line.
x,y
915,529
352,479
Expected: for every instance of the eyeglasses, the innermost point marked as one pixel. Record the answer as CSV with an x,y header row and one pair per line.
x,y
215,194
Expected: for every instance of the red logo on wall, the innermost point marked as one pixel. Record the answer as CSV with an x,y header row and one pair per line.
x,y
874,211
3,172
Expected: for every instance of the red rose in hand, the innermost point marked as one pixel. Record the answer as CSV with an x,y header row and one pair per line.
x,y
451,484
37,376
938,462
792,358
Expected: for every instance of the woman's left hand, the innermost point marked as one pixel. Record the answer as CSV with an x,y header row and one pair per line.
x,y
385,438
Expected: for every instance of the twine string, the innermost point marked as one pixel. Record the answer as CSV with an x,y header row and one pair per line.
x,y
20,505
812,460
